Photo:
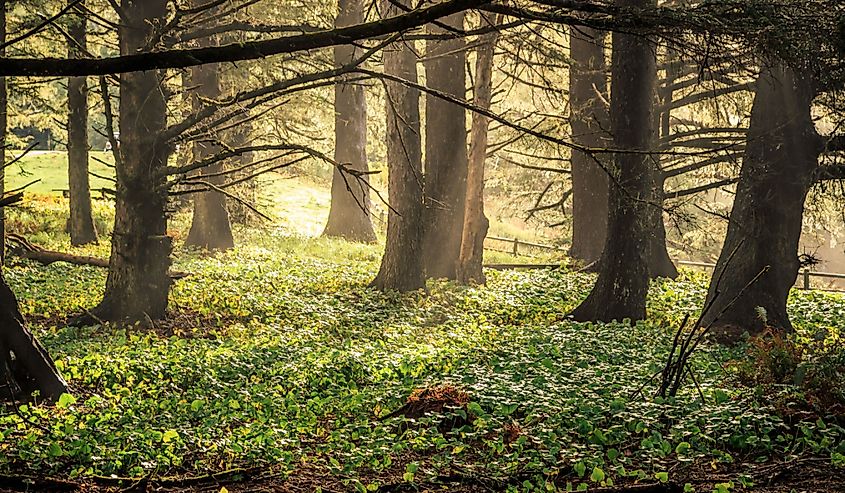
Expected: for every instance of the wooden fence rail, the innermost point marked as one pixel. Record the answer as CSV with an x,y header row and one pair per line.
x,y
805,275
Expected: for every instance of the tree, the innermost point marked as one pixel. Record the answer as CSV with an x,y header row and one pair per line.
x,y
4,116
349,215
588,121
210,226
622,285
759,260
445,151
25,366
401,265
470,268
659,263
138,285
80,223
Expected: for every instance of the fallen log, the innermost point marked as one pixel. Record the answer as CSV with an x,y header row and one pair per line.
x,y
19,246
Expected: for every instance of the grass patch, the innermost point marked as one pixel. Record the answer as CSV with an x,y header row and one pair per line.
x,y
50,167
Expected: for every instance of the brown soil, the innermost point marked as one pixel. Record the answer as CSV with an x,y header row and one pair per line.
x,y
808,475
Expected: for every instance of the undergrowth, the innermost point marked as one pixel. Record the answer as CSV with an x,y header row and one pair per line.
x,y
283,357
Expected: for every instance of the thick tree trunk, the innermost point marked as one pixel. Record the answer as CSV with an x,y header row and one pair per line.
x,y
589,120
401,266
81,223
475,226
445,152
138,285
349,215
759,260
622,285
210,226
25,365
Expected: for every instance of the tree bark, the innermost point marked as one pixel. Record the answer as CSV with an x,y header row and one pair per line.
x,y
445,152
349,215
81,222
622,285
25,366
138,285
4,116
759,260
470,268
210,226
589,120
401,266
659,262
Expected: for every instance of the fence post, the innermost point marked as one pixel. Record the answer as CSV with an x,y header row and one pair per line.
x,y
806,278
516,246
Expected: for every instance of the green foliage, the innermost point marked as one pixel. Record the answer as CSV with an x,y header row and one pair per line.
x,y
278,353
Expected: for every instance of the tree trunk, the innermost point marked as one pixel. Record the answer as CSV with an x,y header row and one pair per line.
x,y
210,227
81,223
349,215
401,266
25,365
445,152
4,108
622,285
659,263
475,226
589,120
759,260
138,285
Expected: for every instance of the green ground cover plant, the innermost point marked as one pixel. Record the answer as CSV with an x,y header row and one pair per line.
x,y
277,355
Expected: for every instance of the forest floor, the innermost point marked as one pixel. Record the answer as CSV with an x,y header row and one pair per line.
x,y
279,370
